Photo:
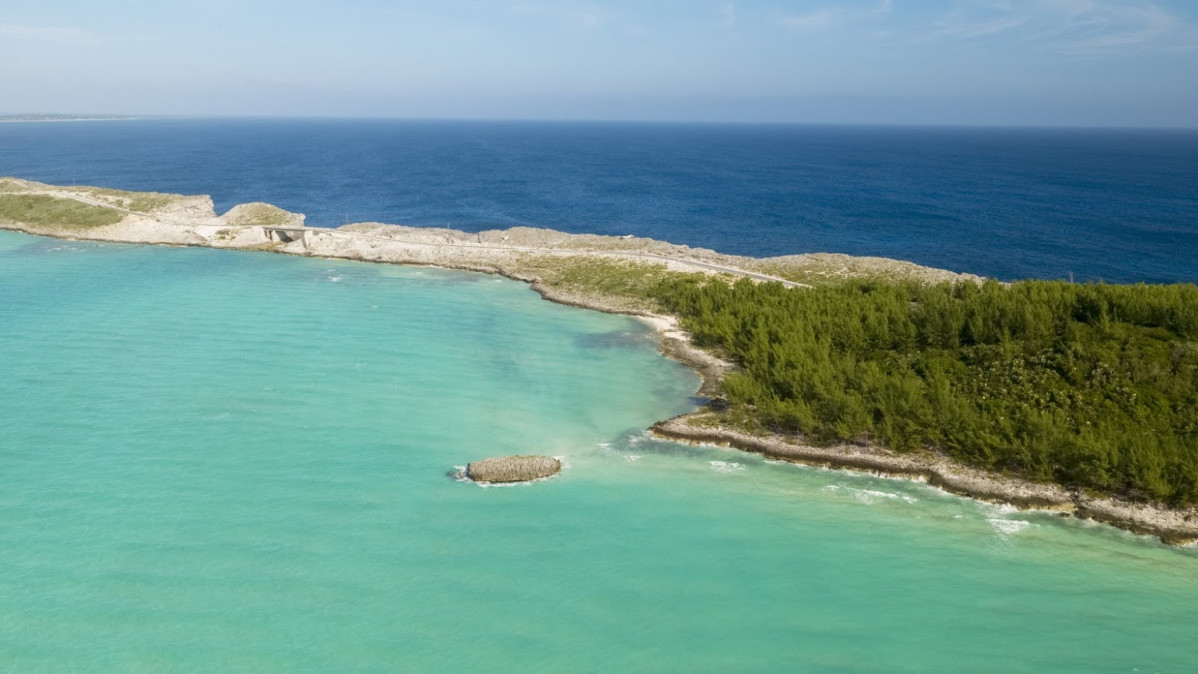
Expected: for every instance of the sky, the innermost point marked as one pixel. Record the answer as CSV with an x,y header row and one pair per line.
x,y
977,62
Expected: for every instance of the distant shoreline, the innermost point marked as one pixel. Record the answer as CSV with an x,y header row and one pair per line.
x,y
22,119
529,255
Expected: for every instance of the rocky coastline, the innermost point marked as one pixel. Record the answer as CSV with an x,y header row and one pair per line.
x,y
525,253
1172,526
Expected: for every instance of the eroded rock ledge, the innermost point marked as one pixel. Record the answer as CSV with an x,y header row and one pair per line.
x,y
1175,527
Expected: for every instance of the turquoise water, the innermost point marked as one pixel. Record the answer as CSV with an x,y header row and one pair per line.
x,y
216,460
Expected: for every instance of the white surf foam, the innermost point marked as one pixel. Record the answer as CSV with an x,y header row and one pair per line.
x,y
1008,527
870,495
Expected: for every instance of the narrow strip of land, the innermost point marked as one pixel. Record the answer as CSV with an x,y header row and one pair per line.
x,y
166,219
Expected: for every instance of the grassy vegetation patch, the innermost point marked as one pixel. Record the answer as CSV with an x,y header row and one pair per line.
x,y
634,282
262,215
141,202
9,185
824,274
823,269
1090,386
44,210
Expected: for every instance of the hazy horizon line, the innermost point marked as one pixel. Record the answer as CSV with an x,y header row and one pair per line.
x,y
53,117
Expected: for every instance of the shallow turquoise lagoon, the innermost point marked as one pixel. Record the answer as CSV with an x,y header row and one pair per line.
x,y
215,460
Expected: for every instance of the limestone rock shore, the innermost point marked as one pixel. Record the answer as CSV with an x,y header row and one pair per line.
x,y
525,253
1172,526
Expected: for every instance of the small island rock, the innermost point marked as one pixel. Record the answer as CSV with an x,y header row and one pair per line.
x,y
513,468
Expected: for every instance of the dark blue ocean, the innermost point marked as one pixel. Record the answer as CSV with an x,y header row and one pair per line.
x,y
1118,205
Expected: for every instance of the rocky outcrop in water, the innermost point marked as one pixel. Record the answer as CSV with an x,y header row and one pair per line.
x,y
503,469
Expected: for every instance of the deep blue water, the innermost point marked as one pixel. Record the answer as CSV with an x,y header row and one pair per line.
x,y
1119,205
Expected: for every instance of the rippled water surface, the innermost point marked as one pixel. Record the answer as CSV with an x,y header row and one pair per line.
x,y
216,460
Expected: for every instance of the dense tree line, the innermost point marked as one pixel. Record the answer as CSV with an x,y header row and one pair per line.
x,y
1091,386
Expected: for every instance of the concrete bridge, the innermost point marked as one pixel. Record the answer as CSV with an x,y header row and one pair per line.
x,y
285,234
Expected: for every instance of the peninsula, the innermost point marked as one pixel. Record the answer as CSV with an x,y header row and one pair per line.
x,y
928,359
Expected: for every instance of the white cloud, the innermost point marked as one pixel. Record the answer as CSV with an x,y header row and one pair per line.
x,y
578,14
1108,28
817,19
971,29
59,34
1079,27
728,14
835,15
70,36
